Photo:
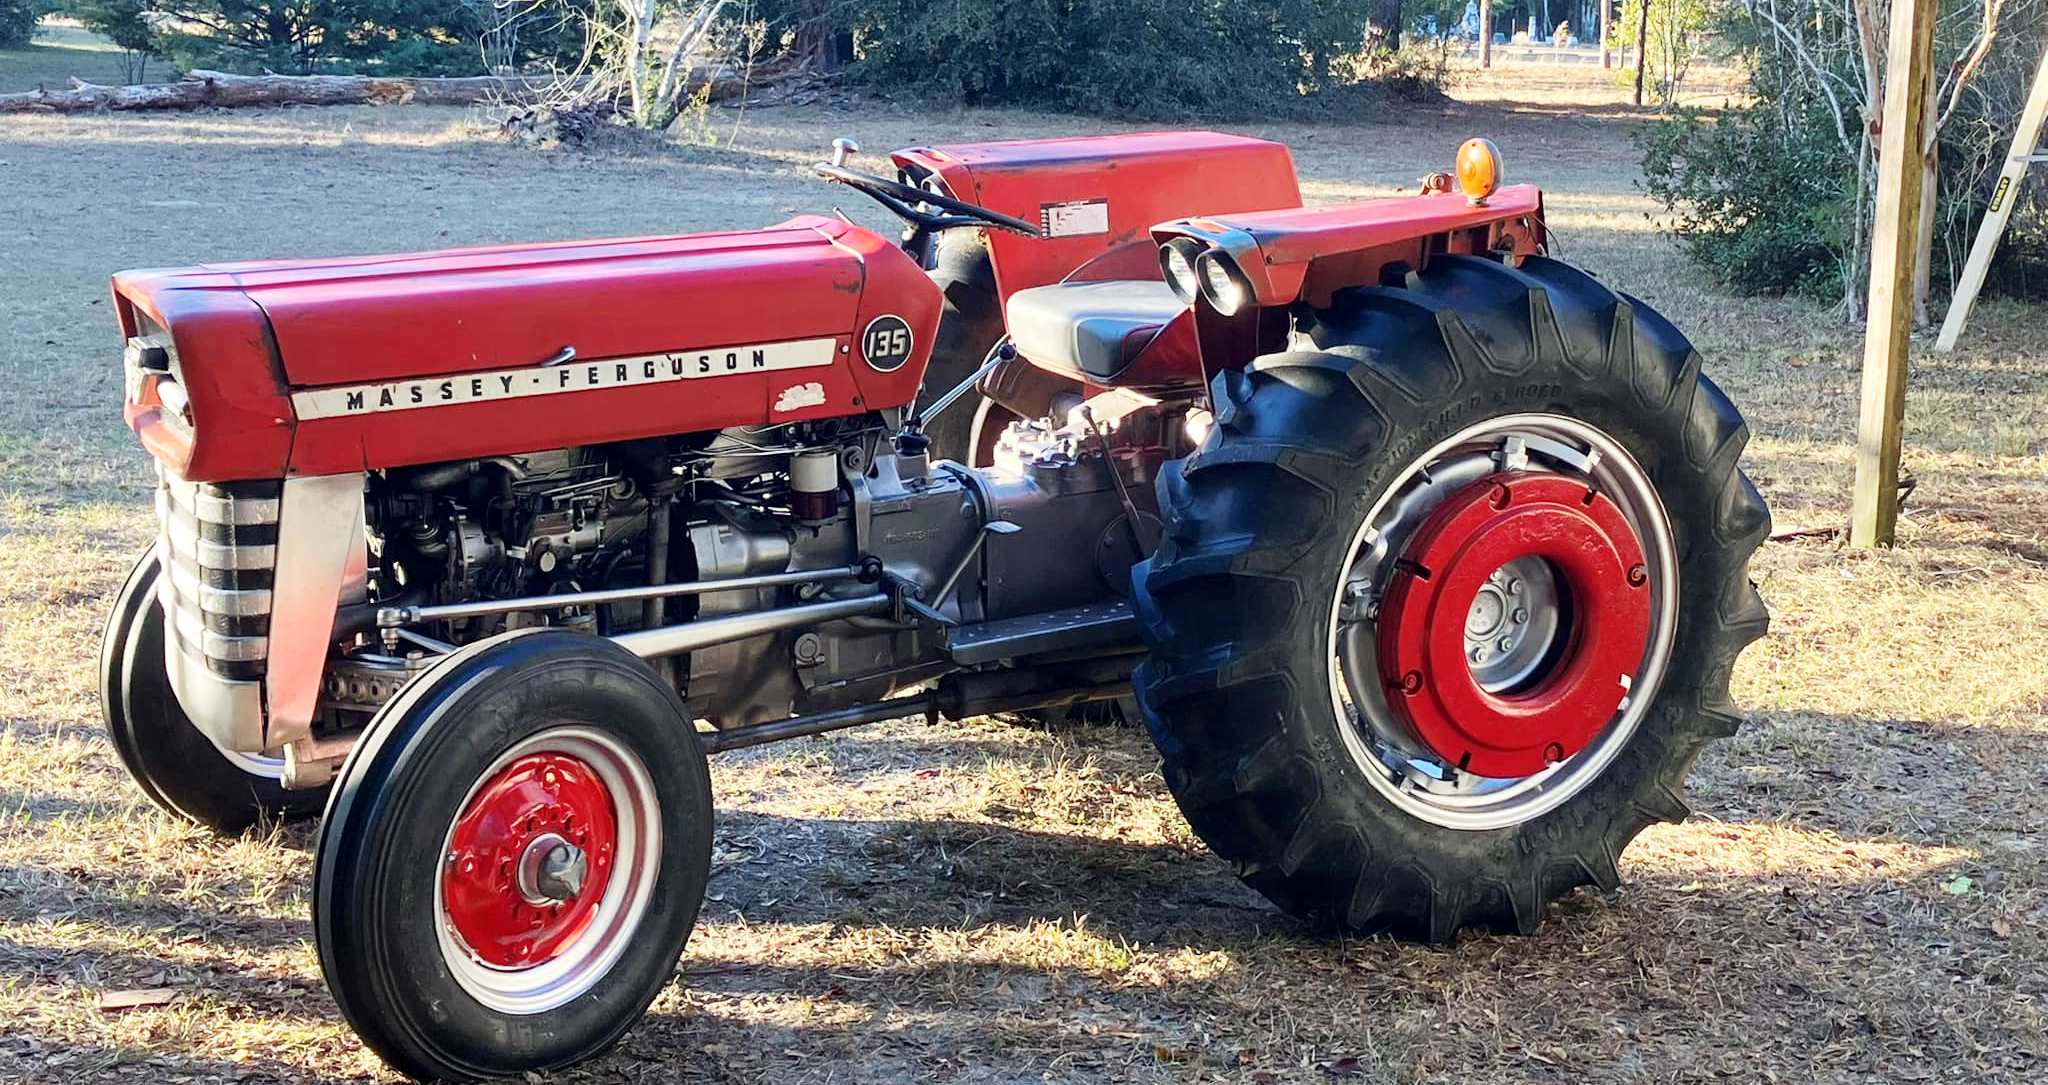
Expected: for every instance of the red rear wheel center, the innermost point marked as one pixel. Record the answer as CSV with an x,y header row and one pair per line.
x,y
1602,592
528,861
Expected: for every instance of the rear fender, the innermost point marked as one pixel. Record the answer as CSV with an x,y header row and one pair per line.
x,y
1308,255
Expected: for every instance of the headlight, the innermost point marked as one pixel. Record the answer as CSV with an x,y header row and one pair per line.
x,y
1223,284
1177,259
172,395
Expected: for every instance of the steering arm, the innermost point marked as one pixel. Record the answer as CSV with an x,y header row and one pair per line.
x,y
911,204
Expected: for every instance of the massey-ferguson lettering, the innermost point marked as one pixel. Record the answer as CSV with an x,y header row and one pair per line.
x,y
1421,554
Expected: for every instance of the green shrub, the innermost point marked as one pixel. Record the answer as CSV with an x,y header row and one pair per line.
x,y
1163,59
122,22
1764,207
18,22
396,37
399,37
1776,195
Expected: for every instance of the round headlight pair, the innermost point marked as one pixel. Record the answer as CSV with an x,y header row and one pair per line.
x,y
1192,269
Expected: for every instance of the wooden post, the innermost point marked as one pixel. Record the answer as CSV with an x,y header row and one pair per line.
x,y
2026,149
1486,33
1909,58
1606,56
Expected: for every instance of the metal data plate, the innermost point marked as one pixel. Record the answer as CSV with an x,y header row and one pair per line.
x,y
1087,626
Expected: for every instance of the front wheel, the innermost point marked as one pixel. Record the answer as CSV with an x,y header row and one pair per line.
x,y
1446,605
170,759
514,857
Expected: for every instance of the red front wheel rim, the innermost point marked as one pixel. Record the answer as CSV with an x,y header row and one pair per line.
x,y
547,869
529,860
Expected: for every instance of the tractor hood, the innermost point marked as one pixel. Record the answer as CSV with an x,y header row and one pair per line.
x,y
384,360
380,318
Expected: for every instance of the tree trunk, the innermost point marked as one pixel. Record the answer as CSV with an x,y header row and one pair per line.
x,y
1642,46
1386,18
828,48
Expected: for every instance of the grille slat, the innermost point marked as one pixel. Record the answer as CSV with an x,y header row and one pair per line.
x,y
220,552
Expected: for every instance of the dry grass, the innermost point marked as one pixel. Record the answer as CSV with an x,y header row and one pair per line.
x,y
1861,894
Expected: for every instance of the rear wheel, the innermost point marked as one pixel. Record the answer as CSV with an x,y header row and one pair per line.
x,y
1446,605
990,420
970,326
171,760
514,858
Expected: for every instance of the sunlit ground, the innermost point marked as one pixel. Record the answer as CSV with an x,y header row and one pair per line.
x,y
1859,896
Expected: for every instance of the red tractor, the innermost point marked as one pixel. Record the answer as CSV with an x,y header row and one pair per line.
x,y
1421,555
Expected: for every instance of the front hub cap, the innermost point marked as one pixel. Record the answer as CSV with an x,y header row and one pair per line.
x,y
1512,622
523,851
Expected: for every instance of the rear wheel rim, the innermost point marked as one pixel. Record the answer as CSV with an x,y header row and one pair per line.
x,y
547,870
1406,764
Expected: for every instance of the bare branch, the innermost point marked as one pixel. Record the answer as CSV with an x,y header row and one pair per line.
x,y
1959,77
1797,46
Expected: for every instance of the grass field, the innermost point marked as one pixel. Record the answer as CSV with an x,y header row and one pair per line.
x,y
1861,893
62,51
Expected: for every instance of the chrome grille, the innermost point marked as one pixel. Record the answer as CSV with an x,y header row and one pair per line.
x,y
220,557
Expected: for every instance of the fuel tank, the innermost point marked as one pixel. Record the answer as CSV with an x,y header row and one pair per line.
x,y
258,370
1096,198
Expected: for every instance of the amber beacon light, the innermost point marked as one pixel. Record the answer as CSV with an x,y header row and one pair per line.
x,y
1478,170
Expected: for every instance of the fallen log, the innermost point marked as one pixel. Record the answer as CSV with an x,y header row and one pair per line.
x,y
204,89
200,89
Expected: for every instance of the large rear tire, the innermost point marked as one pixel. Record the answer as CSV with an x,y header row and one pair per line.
x,y
970,326
514,858
170,759
1404,415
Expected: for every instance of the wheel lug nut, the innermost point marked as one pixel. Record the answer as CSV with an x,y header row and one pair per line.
x,y
1521,616
1507,643
1514,586
1479,654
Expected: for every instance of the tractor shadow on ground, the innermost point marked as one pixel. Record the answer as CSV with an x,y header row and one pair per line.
x,y
847,881
944,873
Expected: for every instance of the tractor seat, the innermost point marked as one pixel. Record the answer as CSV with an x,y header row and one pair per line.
x,y
1090,329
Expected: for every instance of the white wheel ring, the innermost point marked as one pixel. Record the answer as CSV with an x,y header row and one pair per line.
x,y
1501,804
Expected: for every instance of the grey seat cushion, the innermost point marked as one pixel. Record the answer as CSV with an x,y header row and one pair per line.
x,y
1085,327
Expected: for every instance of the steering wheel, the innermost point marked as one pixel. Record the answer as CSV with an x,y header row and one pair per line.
x,y
904,200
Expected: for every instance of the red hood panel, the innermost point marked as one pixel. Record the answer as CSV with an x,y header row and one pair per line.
x,y
384,317
324,366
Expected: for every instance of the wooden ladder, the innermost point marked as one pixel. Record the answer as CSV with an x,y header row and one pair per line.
x,y
2027,150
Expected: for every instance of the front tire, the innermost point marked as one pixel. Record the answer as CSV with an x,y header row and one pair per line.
x,y
170,759
1332,812
514,858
